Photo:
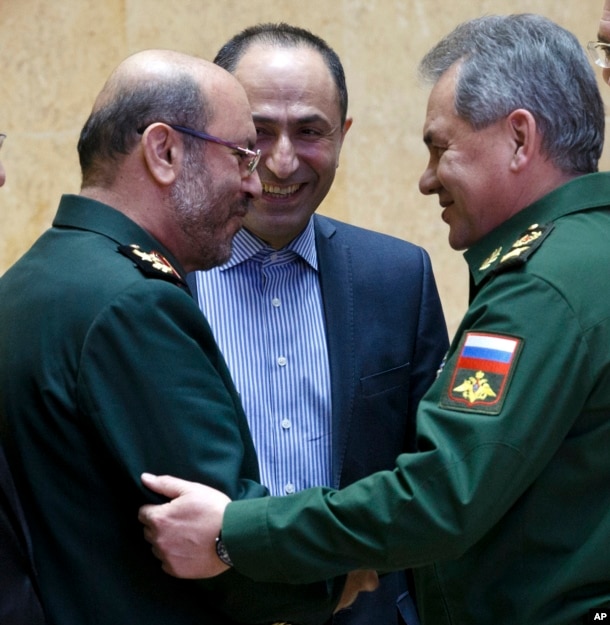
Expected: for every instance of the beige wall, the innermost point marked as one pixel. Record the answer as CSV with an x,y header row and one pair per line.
x,y
57,54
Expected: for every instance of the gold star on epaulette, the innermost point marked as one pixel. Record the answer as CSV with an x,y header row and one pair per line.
x,y
152,263
526,245
519,251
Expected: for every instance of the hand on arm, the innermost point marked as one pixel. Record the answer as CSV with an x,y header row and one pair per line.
x,y
183,531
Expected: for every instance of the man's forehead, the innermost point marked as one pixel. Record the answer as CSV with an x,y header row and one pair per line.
x,y
231,111
276,57
291,64
283,53
288,82
441,102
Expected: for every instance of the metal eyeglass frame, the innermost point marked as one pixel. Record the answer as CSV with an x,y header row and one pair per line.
x,y
600,53
255,155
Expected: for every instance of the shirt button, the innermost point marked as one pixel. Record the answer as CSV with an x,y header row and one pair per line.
x,y
286,424
273,256
289,488
276,302
282,361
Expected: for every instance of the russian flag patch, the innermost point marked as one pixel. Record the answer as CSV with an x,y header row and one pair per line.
x,y
482,373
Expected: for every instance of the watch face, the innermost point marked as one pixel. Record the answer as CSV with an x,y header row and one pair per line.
x,y
222,553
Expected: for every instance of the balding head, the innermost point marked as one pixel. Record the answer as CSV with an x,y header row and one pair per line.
x,y
147,87
189,194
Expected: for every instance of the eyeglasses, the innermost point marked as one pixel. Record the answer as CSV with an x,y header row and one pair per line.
x,y
2,138
255,155
600,53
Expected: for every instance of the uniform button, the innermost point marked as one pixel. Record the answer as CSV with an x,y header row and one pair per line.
x,y
276,302
289,488
286,424
282,361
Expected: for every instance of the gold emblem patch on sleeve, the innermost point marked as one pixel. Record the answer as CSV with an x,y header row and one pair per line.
x,y
482,372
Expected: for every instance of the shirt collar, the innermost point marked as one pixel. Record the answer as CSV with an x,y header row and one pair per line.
x,y
247,245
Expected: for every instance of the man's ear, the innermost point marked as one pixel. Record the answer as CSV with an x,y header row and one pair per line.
x,y
162,152
525,137
346,126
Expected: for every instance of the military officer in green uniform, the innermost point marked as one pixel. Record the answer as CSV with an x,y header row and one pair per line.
x,y
107,366
504,512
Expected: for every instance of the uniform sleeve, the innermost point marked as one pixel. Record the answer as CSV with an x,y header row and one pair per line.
x,y
157,390
474,464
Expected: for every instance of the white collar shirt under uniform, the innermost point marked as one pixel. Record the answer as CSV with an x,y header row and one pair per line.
x,y
265,309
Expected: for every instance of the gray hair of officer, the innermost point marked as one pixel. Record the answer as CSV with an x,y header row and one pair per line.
x,y
525,61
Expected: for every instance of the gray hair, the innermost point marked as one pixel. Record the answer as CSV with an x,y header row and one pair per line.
x,y
525,61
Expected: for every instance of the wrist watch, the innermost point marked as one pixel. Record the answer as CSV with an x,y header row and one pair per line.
x,y
221,551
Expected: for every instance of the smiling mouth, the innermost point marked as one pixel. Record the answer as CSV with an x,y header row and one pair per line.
x,y
280,192
445,206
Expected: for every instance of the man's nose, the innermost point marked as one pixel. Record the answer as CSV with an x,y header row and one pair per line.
x,y
282,159
251,184
428,181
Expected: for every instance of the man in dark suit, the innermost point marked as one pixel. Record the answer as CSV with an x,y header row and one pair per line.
x,y
344,326
108,367
19,601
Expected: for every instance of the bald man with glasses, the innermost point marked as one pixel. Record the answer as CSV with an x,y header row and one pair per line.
x,y
108,367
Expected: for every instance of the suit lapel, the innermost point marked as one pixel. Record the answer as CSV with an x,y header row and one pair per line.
x,y
336,283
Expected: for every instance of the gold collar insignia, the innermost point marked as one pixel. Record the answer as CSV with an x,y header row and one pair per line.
x,y
151,263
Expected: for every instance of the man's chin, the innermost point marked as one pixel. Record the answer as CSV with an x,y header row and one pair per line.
x,y
219,257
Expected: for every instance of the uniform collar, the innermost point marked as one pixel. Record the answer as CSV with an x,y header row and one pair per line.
x,y
82,213
583,193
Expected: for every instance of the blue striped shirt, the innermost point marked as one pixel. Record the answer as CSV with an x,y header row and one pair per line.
x,y
265,309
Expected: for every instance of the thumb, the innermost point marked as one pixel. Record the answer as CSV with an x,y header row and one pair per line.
x,y
170,487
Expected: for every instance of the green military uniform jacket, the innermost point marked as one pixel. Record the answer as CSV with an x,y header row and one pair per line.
x,y
505,511
109,369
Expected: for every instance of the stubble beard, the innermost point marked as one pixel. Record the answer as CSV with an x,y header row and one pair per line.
x,y
195,209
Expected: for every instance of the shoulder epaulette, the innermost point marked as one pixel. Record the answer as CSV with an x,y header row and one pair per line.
x,y
519,252
152,264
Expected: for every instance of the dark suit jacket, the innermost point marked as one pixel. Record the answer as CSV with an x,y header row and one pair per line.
x,y
386,339
19,601
109,369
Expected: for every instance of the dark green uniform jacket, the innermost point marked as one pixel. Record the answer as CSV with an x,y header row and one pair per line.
x,y
109,369
506,509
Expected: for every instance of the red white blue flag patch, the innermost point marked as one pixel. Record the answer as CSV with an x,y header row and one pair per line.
x,y
482,373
